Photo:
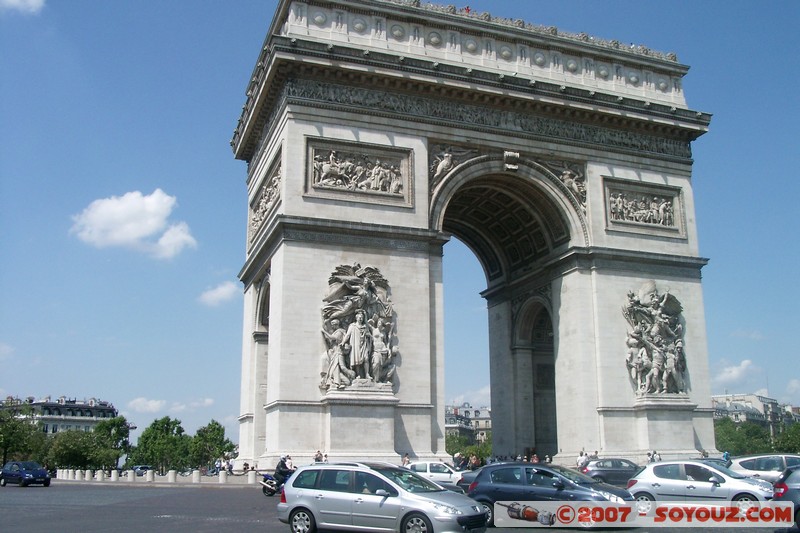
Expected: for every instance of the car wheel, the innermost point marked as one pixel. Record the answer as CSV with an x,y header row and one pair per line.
x,y
46,482
489,509
644,502
3,482
745,502
601,479
302,521
23,483
416,523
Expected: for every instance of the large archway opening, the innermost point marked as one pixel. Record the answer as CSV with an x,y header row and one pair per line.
x,y
505,228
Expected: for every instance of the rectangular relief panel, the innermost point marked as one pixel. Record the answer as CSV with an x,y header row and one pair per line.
x,y
359,172
266,200
644,208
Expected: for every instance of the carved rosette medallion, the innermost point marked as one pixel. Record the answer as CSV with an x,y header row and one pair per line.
x,y
655,355
358,328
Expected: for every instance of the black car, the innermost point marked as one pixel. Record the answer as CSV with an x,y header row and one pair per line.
x,y
24,473
537,482
466,478
787,489
611,470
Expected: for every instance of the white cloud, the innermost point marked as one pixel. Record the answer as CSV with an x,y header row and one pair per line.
x,y
753,335
793,387
735,375
221,293
5,351
194,405
23,6
143,405
479,398
134,221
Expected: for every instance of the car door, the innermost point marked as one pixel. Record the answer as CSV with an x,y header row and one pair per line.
x,y
668,482
333,498
440,472
13,473
699,486
623,471
505,483
540,485
372,510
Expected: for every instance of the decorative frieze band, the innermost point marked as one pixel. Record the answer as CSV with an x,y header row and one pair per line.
x,y
437,110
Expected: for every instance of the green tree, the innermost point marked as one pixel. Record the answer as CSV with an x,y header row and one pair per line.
x,y
788,441
75,449
741,439
163,444
113,439
208,444
17,428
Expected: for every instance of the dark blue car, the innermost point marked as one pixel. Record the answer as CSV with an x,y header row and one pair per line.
x,y
537,482
24,473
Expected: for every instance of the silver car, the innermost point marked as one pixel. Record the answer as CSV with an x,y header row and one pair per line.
x,y
694,481
377,497
766,466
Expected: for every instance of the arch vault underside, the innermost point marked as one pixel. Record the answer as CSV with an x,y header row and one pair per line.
x,y
375,132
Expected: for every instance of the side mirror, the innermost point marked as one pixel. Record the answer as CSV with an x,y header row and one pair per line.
x,y
558,484
383,493
715,480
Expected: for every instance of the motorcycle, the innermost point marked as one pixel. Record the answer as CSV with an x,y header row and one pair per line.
x,y
269,485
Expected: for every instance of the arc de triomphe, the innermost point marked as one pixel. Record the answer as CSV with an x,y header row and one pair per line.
x,y
373,131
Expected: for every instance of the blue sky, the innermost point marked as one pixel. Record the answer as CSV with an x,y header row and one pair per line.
x,y
122,210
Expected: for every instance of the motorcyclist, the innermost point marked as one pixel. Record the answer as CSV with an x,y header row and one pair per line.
x,y
282,470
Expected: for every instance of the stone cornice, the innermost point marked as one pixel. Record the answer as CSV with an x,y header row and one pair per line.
x,y
285,228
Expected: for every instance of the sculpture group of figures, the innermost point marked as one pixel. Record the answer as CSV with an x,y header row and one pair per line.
x,y
358,328
649,210
270,194
655,357
357,172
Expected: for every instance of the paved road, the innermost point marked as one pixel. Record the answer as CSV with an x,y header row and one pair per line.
x,y
122,507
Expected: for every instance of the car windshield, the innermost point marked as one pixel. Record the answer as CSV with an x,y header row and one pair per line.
x,y
30,465
727,471
410,481
572,475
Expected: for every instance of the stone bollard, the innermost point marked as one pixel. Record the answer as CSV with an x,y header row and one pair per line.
x,y
79,475
70,474
172,476
131,476
150,475
58,473
89,476
115,475
251,477
223,476
101,475
195,476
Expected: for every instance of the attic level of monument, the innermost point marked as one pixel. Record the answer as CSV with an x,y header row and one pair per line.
x,y
626,90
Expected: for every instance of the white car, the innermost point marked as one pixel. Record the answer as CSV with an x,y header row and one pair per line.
x,y
766,466
436,471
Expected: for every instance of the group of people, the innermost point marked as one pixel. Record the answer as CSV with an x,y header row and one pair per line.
x,y
653,457
462,462
584,458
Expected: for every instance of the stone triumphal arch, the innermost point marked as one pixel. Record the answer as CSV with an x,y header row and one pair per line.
x,y
373,131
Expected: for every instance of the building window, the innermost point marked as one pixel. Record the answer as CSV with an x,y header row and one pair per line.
x,y
45,428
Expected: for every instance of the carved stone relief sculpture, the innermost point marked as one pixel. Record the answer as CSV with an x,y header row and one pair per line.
x,y
444,158
643,208
358,327
267,198
655,355
360,172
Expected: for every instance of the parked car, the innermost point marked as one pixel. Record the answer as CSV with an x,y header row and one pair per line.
x,y
787,489
538,482
373,497
765,466
24,473
141,470
670,481
435,471
610,470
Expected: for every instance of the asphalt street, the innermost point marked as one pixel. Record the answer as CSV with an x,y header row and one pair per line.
x,y
121,507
